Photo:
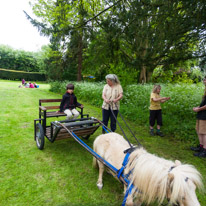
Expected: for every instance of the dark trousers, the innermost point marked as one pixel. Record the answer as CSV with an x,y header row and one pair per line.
x,y
106,115
155,115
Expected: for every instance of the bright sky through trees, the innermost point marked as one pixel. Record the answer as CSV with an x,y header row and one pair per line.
x,y
16,31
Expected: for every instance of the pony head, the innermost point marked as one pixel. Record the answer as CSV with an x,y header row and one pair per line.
x,y
159,179
183,180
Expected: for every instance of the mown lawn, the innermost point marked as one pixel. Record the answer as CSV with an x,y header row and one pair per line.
x,y
62,173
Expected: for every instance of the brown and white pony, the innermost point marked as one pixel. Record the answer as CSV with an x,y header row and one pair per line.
x,y
155,177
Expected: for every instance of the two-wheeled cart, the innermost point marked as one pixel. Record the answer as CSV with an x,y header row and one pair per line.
x,y
83,127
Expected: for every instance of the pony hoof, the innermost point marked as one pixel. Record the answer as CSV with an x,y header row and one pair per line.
x,y
99,186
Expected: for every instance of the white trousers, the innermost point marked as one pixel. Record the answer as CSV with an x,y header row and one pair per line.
x,y
71,114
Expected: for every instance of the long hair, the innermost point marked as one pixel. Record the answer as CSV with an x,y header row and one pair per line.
x,y
113,78
154,90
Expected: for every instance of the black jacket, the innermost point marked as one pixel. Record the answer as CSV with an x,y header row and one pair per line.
x,y
69,101
201,115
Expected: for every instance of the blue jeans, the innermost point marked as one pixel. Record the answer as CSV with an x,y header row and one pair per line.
x,y
107,114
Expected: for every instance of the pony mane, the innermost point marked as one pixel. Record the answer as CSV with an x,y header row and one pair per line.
x,y
150,175
179,184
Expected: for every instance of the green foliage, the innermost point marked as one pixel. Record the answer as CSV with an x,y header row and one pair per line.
x,y
178,117
19,75
196,75
140,35
159,75
124,73
63,23
177,75
20,60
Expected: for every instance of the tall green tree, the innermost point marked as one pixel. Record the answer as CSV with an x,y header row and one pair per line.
x,y
64,21
122,36
149,33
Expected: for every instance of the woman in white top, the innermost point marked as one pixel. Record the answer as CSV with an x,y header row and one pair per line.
x,y
111,95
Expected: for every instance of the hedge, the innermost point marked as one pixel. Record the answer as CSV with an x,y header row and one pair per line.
x,y
18,75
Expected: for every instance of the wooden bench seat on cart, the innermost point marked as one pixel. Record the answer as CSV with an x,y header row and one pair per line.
x,y
49,108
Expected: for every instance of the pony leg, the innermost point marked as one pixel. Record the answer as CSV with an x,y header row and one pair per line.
x,y
100,178
129,201
138,202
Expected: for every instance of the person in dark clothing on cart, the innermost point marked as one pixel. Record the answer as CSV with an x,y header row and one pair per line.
x,y
69,103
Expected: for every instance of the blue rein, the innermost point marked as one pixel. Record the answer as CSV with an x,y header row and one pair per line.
x,y
120,172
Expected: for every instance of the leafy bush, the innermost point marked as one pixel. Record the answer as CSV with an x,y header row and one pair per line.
x,y
177,75
196,75
178,117
20,60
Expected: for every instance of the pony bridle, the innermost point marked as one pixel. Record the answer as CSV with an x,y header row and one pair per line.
x,y
186,179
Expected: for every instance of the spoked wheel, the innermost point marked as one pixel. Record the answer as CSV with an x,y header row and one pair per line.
x,y
39,136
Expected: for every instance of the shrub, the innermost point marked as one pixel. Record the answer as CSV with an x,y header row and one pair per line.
x,y
178,117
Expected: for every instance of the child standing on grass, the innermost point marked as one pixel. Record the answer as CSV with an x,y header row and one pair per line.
x,y
69,103
155,110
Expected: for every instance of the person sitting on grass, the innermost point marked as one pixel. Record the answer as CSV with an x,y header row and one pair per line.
x,y
31,85
155,110
69,103
35,85
26,85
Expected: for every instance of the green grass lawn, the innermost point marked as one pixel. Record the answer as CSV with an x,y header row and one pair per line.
x,y
62,173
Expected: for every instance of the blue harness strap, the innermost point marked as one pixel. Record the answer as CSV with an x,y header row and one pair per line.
x,y
126,159
119,172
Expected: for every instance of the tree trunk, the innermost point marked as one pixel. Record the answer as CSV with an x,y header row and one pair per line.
x,y
80,59
149,76
143,75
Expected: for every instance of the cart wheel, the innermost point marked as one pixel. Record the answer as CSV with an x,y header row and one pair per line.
x,y
86,137
39,136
